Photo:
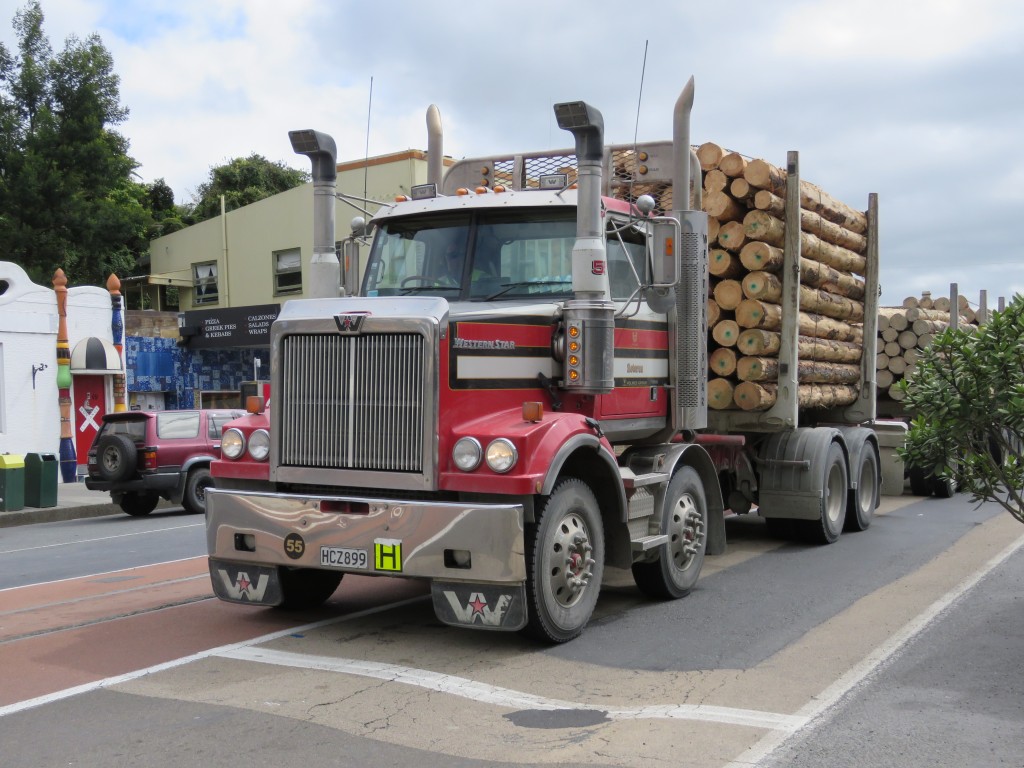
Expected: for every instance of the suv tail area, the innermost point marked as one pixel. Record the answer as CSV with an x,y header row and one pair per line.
x,y
143,456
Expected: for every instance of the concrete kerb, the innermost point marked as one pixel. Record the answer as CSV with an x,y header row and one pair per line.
x,y
74,501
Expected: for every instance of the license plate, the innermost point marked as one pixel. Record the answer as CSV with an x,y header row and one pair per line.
x,y
343,557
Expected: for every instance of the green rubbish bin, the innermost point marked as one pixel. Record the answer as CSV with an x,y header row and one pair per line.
x,y
41,480
12,482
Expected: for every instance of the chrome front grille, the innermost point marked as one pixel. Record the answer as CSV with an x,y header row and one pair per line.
x,y
353,402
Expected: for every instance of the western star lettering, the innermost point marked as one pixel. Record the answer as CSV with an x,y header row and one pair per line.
x,y
483,343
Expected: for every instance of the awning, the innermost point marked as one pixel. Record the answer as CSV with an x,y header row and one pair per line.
x,y
93,355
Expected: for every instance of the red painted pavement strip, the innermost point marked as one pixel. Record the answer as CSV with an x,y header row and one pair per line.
x,y
75,602
59,660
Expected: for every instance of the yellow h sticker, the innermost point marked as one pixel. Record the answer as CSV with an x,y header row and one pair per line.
x,y
387,555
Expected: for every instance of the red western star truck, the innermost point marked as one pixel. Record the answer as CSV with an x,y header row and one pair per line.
x,y
514,396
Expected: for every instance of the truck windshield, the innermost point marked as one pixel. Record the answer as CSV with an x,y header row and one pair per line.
x,y
489,254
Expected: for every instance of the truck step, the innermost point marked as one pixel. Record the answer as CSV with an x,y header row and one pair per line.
x,y
649,542
630,480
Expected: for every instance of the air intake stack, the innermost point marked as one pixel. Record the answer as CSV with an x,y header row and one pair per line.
x,y
589,318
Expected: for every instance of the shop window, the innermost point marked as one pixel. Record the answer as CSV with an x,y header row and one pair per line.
x,y
288,271
204,283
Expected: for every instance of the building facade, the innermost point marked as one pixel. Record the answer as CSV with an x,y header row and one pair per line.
x,y
232,274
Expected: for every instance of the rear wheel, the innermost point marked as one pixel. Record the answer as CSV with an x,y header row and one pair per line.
x,y
306,587
139,504
860,509
944,487
685,521
919,484
829,525
194,499
116,456
564,563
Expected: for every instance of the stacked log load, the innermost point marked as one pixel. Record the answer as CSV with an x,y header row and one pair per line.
x,y
744,200
903,332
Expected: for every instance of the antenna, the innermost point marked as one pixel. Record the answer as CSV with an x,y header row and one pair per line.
x,y
366,156
636,128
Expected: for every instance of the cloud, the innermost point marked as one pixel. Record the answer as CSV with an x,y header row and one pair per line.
x,y
916,101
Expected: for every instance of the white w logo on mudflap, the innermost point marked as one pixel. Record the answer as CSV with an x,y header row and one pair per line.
x,y
477,608
242,588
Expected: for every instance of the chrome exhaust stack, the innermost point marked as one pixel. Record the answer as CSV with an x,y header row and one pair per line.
x,y
324,268
589,318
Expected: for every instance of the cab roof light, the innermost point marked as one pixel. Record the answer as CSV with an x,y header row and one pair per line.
x,y
401,198
554,181
461,191
423,191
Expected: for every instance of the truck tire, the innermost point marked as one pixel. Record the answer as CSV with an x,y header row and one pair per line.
x,y
919,484
564,563
194,498
116,457
303,588
826,529
677,567
860,508
139,504
944,487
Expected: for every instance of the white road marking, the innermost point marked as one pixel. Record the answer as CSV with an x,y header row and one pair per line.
x,y
67,693
506,697
828,699
101,538
103,573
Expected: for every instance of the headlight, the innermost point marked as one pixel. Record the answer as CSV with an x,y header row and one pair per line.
x,y
501,455
259,445
466,454
232,444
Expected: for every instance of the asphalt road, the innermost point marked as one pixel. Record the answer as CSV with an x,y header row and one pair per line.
x,y
897,646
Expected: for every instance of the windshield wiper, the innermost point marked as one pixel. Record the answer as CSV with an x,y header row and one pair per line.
x,y
506,287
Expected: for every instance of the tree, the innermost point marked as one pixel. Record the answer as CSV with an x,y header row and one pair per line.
x,y
243,181
967,401
67,193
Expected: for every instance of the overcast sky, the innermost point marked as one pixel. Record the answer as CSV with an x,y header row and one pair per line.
x,y
921,102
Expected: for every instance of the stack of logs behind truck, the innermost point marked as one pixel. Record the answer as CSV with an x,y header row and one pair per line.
x,y
508,429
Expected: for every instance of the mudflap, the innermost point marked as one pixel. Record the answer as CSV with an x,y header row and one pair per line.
x,y
246,583
499,607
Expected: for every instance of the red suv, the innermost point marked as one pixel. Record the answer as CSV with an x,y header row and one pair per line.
x,y
143,456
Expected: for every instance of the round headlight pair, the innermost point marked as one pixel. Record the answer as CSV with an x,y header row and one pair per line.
x,y
233,444
501,454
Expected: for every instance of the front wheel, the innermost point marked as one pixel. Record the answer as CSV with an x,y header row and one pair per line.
x,y
685,521
564,563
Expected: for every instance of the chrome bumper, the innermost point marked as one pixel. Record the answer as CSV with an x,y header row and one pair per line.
x,y
417,539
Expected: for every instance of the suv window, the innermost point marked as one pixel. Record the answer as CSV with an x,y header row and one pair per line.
x,y
177,424
217,422
135,429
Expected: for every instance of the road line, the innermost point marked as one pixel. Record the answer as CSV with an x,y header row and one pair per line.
x,y
101,538
506,697
823,703
102,573
49,698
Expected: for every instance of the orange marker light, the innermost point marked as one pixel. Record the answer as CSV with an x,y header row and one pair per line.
x,y
533,412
